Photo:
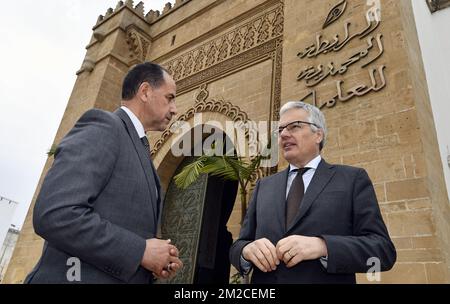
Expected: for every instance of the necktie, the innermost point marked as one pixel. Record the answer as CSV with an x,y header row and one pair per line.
x,y
147,147
295,196
146,144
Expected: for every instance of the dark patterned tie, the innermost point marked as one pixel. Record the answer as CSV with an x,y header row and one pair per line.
x,y
147,147
146,144
295,196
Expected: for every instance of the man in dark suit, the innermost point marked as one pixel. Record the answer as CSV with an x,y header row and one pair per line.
x,y
313,222
99,204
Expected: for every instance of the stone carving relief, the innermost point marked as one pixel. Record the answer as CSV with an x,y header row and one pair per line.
x,y
228,109
253,33
138,44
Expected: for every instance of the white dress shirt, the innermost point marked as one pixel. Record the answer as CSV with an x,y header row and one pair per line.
x,y
136,122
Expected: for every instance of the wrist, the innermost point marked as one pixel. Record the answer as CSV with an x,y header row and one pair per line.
x,y
323,251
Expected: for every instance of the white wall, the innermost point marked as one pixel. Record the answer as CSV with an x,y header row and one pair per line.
x,y
7,209
434,38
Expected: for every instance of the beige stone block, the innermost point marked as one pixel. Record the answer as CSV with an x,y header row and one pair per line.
x,y
406,189
425,242
402,243
409,223
436,273
380,143
380,191
419,255
404,124
385,170
360,158
351,135
420,169
393,207
234,229
235,218
419,204
15,275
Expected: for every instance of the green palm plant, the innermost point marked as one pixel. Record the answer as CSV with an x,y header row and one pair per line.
x,y
229,167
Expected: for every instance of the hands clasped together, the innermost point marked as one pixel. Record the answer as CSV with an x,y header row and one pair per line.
x,y
161,258
291,250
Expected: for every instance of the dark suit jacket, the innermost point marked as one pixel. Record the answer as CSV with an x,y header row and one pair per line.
x,y
340,206
99,202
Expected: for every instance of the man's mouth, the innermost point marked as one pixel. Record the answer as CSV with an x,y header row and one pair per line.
x,y
287,146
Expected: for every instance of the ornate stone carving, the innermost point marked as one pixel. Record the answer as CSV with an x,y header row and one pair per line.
x,y
202,94
249,36
138,44
223,49
87,66
263,30
211,55
255,32
265,50
278,22
236,43
226,108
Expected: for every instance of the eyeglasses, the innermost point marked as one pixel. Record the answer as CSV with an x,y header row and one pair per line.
x,y
294,126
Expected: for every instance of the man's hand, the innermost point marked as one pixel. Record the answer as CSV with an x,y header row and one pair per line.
x,y
262,254
296,248
158,255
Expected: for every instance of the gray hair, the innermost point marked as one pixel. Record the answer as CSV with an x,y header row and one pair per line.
x,y
315,116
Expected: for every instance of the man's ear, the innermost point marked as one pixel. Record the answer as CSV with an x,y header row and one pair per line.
x,y
144,91
320,137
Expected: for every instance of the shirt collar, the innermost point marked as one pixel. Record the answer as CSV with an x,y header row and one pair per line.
x,y
136,122
312,164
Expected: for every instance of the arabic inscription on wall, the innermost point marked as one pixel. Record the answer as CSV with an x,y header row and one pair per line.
x,y
369,51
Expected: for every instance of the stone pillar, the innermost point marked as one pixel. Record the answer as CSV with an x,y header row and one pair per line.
x,y
385,125
117,43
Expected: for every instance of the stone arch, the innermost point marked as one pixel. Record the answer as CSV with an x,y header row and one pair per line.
x,y
212,111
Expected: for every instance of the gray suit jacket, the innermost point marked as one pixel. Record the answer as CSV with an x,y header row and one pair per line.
x,y
340,206
99,203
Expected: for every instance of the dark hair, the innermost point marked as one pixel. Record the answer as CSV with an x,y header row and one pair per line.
x,y
144,72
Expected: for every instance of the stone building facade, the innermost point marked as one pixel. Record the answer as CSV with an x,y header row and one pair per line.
x,y
7,250
358,60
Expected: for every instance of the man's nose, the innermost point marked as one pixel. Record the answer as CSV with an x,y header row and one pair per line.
x,y
284,133
173,110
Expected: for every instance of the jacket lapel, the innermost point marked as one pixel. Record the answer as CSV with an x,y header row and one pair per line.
x,y
322,176
145,160
280,197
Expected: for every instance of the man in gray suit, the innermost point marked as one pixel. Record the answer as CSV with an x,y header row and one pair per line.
x,y
99,204
313,222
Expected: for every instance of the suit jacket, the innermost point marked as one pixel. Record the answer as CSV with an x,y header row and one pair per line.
x,y
99,203
340,206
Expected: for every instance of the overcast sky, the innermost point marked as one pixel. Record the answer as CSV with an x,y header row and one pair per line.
x,y
42,46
